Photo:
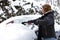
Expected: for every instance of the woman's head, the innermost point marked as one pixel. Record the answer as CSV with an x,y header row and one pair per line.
x,y
46,8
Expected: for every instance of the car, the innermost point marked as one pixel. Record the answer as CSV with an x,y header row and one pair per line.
x,y
20,19
17,20
13,29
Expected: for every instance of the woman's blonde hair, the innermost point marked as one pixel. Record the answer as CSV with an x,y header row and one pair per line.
x,y
46,7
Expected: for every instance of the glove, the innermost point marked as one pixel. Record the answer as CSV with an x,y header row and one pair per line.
x,y
29,22
24,22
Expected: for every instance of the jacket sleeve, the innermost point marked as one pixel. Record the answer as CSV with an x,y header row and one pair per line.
x,y
34,21
48,20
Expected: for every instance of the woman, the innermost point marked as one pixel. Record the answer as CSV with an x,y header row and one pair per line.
x,y
46,24
48,31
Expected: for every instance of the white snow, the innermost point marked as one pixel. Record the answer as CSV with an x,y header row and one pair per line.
x,y
1,11
30,26
22,18
57,27
25,18
30,1
27,6
16,32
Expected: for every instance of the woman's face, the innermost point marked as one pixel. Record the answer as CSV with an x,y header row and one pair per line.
x,y
43,11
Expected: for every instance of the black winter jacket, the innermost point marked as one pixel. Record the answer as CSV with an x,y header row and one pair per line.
x,y
46,25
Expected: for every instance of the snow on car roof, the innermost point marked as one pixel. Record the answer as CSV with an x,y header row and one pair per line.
x,y
22,18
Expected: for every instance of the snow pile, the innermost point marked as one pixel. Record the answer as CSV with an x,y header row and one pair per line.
x,y
16,32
